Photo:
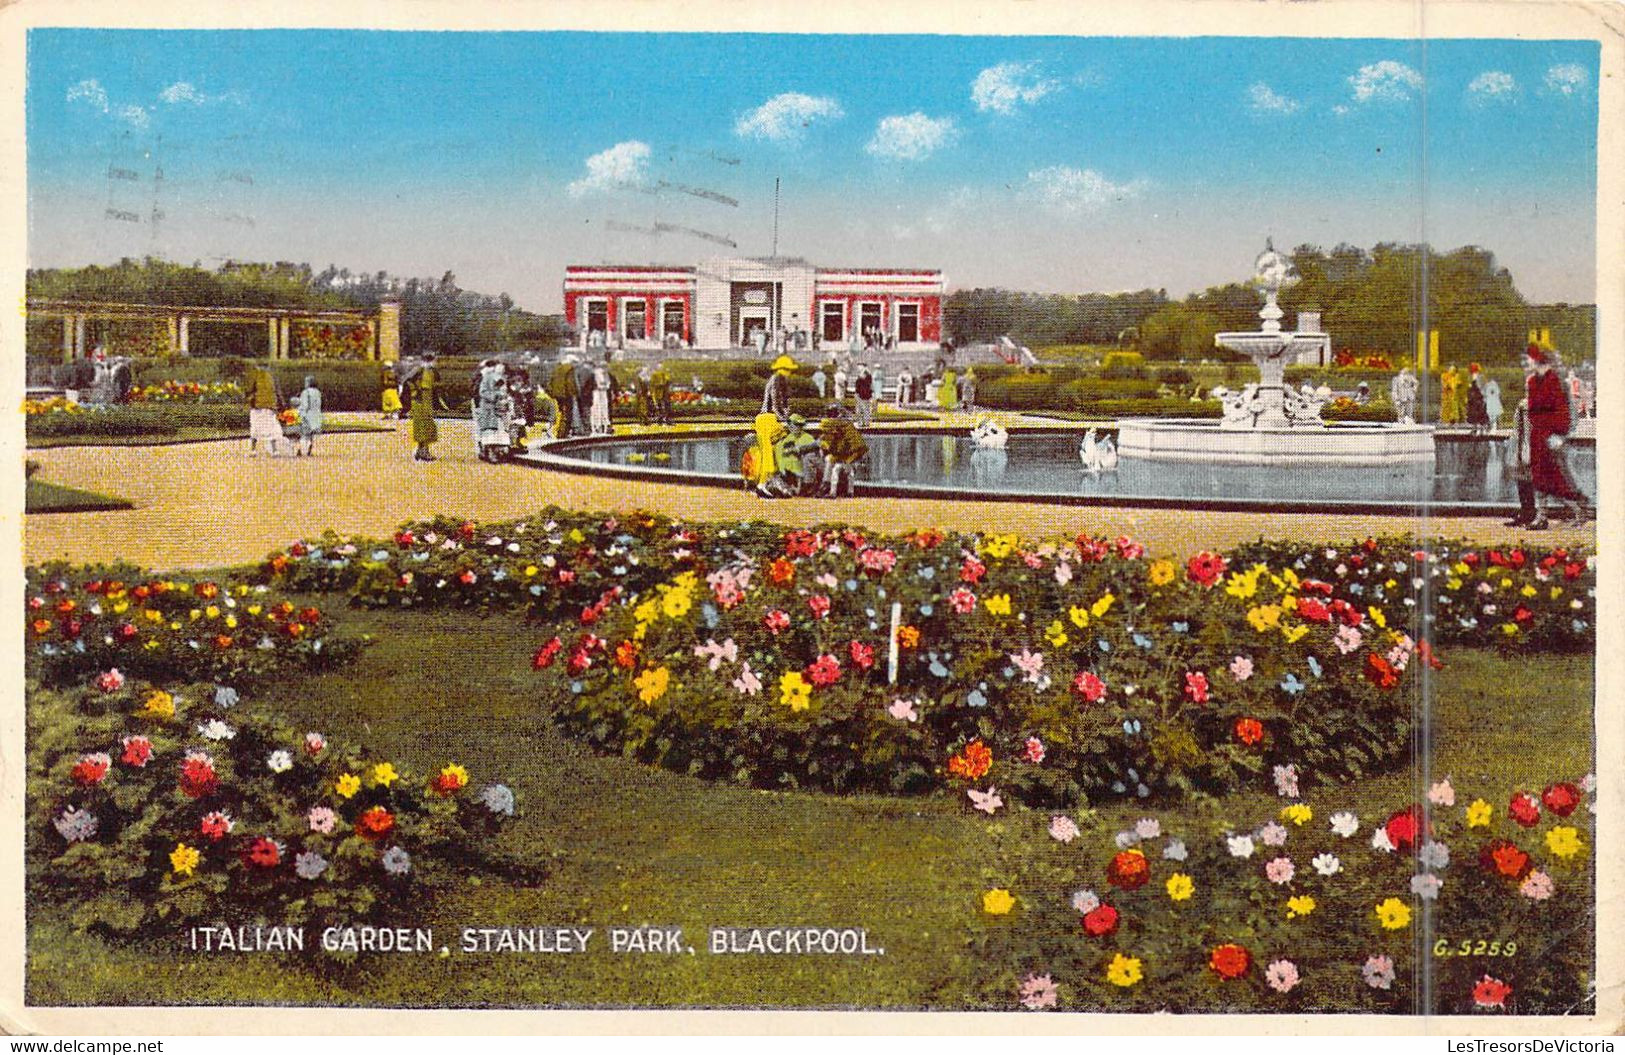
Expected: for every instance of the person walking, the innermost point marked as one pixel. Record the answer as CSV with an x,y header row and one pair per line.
x,y
309,406
948,394
1549,422
660,393
838,392
389,400
864,390
1450,397
603,390
562,387
1478,415
1492,402
424,430
776,393
263,403
820,381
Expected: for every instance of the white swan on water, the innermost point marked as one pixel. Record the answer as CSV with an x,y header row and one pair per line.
x,y
989,435
1108,455
1097,455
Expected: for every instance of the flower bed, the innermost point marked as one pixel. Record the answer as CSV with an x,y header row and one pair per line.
x,y
152,808
1307,909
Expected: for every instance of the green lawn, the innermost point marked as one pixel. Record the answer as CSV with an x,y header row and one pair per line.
x,y
42,497
630,845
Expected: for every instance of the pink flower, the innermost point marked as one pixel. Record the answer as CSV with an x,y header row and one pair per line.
x,y
315,743
1037,992
1272,834
1030,663
727,651
1280,870
1241,668
903,710
987,801
1348,639
819,605
321,819
1063,829
1063,572
776,621
110,681
962,601
216,825
824,670
1442,794
878,561
1282,976
1286,781
1196,686
1536,886
1034,750
748,684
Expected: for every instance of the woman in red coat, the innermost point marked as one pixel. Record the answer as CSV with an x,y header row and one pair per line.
x,y
1548,425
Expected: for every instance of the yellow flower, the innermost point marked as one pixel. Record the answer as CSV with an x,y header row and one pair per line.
x,y
1180,887
1461,567
1557,591
1506,584
456,774
255,609
998,902
1528,591
1102,606
242,590
1123,971
213,611
1301,905
1264,617
384,774
647,612
1079,616
1162,572
184,859
1564,841
652,684
153,615
1055,634
999,546
347,785
794,691
231,622
1377,617
160,704
577,536
1453,583
1479,813
1393,914
1509,629
676,603
998,604
531,571
194,615
1242,585
1293,633
121,607
1298,813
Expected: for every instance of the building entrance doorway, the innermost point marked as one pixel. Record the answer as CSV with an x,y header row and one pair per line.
x,y
750,321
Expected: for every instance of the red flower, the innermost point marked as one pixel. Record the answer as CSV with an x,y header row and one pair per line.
x,y
1470,559
546,654
776,621
800,543
1491,992
1100,921
973,763
198,778
1205,568
1196,686
972,571
215,826
927,538
1128,549
824,670
1128,870
1503,858
566,576
877,562
626,654
1522,615
1230,960
580,660
466,578
819,604
125,631
1380,672
137,751
962,601
1404,827
781,572
263,852
1572,570
1249,731
1314,611
374,823
1092,549
1561,798
1525,809
1089,687
466,530
91,769
1034,749
863,656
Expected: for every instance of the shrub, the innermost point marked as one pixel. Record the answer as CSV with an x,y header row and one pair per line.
x,y
1176,375
1344,409
1119,365
151,420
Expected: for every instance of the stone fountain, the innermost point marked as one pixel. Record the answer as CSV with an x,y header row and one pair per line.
x,y
1267,422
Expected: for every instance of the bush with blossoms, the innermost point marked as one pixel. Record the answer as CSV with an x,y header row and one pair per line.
x,y
81,621
1053,671
153,806
1511,598
1307,908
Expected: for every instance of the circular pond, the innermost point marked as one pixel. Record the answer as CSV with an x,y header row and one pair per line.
x,y
1468,475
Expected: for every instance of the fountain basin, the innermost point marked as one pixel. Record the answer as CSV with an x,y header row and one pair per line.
x,y
1172,439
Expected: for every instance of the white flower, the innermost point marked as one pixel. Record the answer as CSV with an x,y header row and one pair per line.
x,y
1327,864
1426,886
1380,841
1062,828
1588,783
1085,901
280,761
1286,781
1272,834
1127,839
1148,827
215,729
1434,855
1442,794
1345,823
1174,850
1240,845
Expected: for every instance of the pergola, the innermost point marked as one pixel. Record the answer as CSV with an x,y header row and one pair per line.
x,y
384,325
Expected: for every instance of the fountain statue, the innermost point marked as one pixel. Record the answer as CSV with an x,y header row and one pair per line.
x,y
1267,421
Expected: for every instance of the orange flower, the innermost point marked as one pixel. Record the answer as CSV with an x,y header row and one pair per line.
x,y
1129,870
1249,730
374,823
973,763
908,636
1230,961
626,654
781,572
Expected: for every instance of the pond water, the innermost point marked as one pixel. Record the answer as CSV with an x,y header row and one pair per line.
x,y
1465,472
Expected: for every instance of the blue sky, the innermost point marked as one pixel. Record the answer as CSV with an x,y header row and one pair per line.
x,y
1064,164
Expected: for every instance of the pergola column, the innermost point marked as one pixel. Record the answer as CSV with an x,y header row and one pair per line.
x,y
79,326
174,324
185,344
271,331
69,345
285,324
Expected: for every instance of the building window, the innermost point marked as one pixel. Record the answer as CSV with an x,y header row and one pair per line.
x,y
869,321
597,316
634,325
671,321
832,326
908,323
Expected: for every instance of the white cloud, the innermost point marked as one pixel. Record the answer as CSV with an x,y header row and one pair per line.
x,y
1385,82
1266,100
622,165
1004,87
1566,78
1492,84
1079,190
182,92
786,116
91,93
133,115
911,137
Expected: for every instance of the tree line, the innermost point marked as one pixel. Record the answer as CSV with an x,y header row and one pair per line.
x,y
1371,301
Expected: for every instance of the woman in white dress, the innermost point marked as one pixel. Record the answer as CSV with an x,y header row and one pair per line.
x,y
600,400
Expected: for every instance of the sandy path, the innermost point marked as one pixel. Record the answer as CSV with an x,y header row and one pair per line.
x,y
206,504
